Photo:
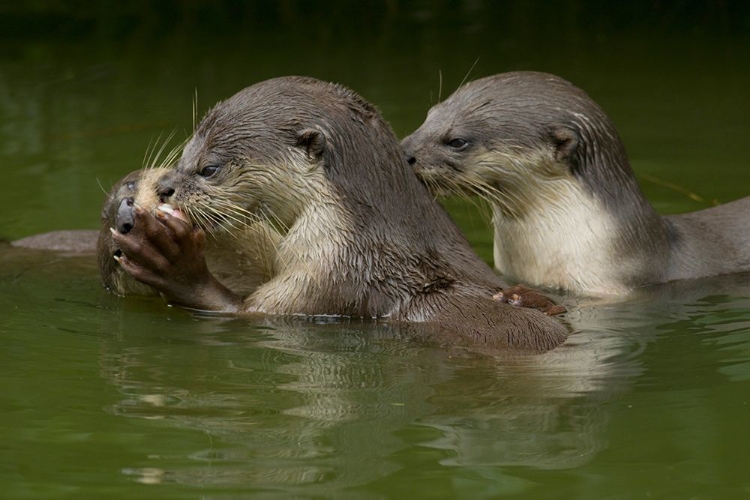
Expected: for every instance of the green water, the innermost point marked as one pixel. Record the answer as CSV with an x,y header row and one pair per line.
x,y
103,397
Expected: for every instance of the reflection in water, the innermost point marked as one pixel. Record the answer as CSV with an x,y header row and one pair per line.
x,y
286,404
550,411
299,403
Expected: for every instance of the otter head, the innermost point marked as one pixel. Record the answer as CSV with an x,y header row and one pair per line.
x,y
136,189
273,151
509,137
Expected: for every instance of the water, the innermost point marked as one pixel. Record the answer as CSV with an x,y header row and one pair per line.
x,y
107,397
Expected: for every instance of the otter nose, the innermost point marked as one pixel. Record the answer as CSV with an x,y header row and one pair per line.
x,y
124,219
406,147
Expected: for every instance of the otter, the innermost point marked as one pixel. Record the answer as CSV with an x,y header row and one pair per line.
x,y
567,210
361,237
242,260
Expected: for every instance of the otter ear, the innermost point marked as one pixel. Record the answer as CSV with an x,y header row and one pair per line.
x,y
565,141
313,141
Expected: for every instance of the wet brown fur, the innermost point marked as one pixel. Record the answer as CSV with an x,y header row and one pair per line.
x,y
361,235
567,209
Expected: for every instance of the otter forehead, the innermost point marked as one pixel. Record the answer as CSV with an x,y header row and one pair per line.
x,y
286,103
480,118
515,109
227,135
523,91
261,121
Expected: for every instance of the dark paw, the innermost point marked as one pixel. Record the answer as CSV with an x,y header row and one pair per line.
x,y
162,251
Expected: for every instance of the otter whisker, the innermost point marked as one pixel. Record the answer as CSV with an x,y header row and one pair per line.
x,y
172,156
264,236
469,72
483,189
431,186
231,205
230,225
212,219
481,208
149,151
277,220
161,149
201,219
221,211
509,200
233,211
195,107
107,194
440,85
460,190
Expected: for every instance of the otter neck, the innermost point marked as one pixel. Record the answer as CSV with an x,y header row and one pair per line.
x,y
370,258
577,242
314,238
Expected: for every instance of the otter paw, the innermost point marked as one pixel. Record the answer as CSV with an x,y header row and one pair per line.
x,y
164,252
523,296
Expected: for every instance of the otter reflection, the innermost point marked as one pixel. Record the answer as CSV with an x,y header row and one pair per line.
x,y
290,403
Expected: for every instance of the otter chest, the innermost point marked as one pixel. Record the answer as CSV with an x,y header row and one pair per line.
x,y
569,247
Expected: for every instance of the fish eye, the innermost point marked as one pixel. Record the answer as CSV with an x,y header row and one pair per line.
x,y
209,170
458,144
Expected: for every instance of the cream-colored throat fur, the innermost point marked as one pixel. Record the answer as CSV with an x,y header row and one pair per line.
x,y
566,242
307,258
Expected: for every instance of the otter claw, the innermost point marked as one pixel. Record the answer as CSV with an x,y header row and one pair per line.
x,y
522,296
514,299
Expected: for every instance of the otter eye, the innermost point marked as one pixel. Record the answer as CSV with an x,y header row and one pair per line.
x,y
458,144
130,185
209,170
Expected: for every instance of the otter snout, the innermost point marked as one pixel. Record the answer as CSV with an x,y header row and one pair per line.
x,y
409,153
124,219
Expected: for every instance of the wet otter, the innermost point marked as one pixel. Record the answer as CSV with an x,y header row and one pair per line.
x,y
241,260
567,209
362,237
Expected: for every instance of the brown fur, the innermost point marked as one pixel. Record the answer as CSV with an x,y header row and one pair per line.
x,y
361,236
567,209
